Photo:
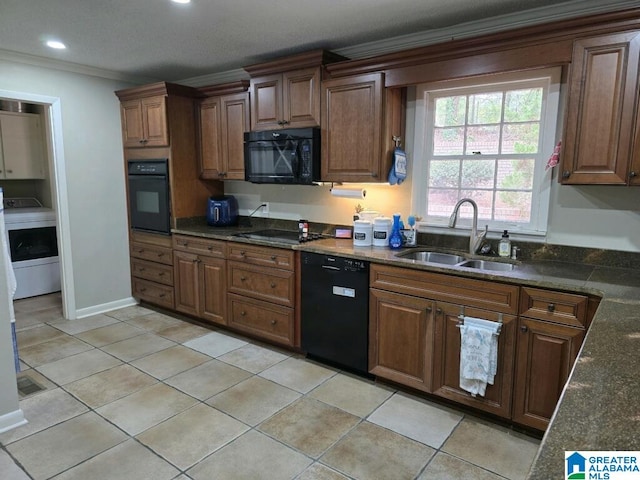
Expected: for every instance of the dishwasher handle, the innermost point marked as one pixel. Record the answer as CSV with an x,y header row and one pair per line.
x,y
331,267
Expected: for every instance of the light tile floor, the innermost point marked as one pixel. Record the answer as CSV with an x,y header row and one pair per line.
x,y
137,394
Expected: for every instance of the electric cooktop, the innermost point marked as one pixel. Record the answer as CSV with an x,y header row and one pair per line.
x,y
284,236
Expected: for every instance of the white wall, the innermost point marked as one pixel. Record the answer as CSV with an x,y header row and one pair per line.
x,y
94,176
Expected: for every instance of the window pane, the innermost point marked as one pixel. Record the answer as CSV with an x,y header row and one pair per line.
x,y
478,173
448,141
485,108
484,200
483,139
513,206
450,111
516,174
520,138
523,105
444,173
441,202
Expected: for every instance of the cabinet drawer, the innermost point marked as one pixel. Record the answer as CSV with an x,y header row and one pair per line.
x,y
152,253
263,319
153,292
155,272
200,246
494,296
265,256
158,239
558,307
270,284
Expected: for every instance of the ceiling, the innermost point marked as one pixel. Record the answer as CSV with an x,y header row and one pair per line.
x,y
161,40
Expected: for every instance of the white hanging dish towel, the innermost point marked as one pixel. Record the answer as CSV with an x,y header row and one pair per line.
x,y
478,354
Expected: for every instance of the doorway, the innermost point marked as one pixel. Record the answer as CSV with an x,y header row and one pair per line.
x,y
52,121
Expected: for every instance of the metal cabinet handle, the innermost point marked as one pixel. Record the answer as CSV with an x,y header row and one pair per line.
x,y
243,313
9,171
273,285
566,174
161,274
243,278
242,253
143,289
429,309
438,311
273,257
141,269
524,328
210,247
273,322
633,174
551,308
162,295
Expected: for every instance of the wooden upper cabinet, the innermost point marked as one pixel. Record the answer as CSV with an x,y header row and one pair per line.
x,y
285,93
359,120
286,100
601,113
144,122
223,121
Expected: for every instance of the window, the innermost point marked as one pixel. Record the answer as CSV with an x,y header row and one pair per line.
x,y
488,141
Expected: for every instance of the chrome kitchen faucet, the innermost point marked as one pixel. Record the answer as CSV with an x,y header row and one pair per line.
x,y
475,239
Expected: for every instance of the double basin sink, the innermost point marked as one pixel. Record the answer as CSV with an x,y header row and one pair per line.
x,y
455,260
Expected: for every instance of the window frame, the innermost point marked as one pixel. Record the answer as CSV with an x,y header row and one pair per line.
x,y
423,138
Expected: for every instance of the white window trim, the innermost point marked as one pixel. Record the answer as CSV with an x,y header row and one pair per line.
x,y
543,178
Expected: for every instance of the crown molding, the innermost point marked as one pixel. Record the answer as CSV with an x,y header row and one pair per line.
x,y
511,21
61,65
216,78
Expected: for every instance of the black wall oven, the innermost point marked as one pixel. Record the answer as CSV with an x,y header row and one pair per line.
x,y
149,208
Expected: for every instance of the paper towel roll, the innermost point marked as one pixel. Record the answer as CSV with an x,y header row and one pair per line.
x,y
348,192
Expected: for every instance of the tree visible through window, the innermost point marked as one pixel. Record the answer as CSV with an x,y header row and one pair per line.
x,y
485,143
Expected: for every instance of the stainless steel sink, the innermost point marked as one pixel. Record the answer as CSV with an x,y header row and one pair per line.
x,y
431,257
488,265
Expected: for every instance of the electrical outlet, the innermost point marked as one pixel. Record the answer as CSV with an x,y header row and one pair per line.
x,y
265,209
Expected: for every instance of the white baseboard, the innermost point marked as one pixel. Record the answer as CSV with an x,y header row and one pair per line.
x,y
105,307
12,420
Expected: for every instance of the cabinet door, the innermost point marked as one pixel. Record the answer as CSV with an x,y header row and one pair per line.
x,y
546,353
210,139
601,107
497,399
266,102
132,131
186,283
154,122
21,146
401,338
352,110
301,98
213,291
235,121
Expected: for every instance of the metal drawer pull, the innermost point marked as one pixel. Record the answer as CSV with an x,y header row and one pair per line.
x,y
210,247
242,279
551,308
524,329
143,289
273,322
273,285
273,257
243,313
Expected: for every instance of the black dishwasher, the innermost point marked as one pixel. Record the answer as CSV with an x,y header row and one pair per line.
x,y
335,310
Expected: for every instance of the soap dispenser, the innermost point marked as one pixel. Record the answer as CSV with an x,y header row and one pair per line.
x,y
504,246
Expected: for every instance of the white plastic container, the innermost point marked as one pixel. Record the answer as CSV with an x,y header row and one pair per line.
x,y
362,233
381,231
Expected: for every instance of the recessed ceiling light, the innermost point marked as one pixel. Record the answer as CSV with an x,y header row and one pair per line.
x,y
181,1
56,44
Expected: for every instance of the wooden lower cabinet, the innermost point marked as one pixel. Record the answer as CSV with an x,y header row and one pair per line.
x,y
152,268
446,376
401,338
546,353
200,286
263,319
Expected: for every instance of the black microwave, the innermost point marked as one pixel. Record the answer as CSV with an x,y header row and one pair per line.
x,y
290,156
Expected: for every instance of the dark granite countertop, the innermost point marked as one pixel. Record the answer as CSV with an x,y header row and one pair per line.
x,y
599,408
